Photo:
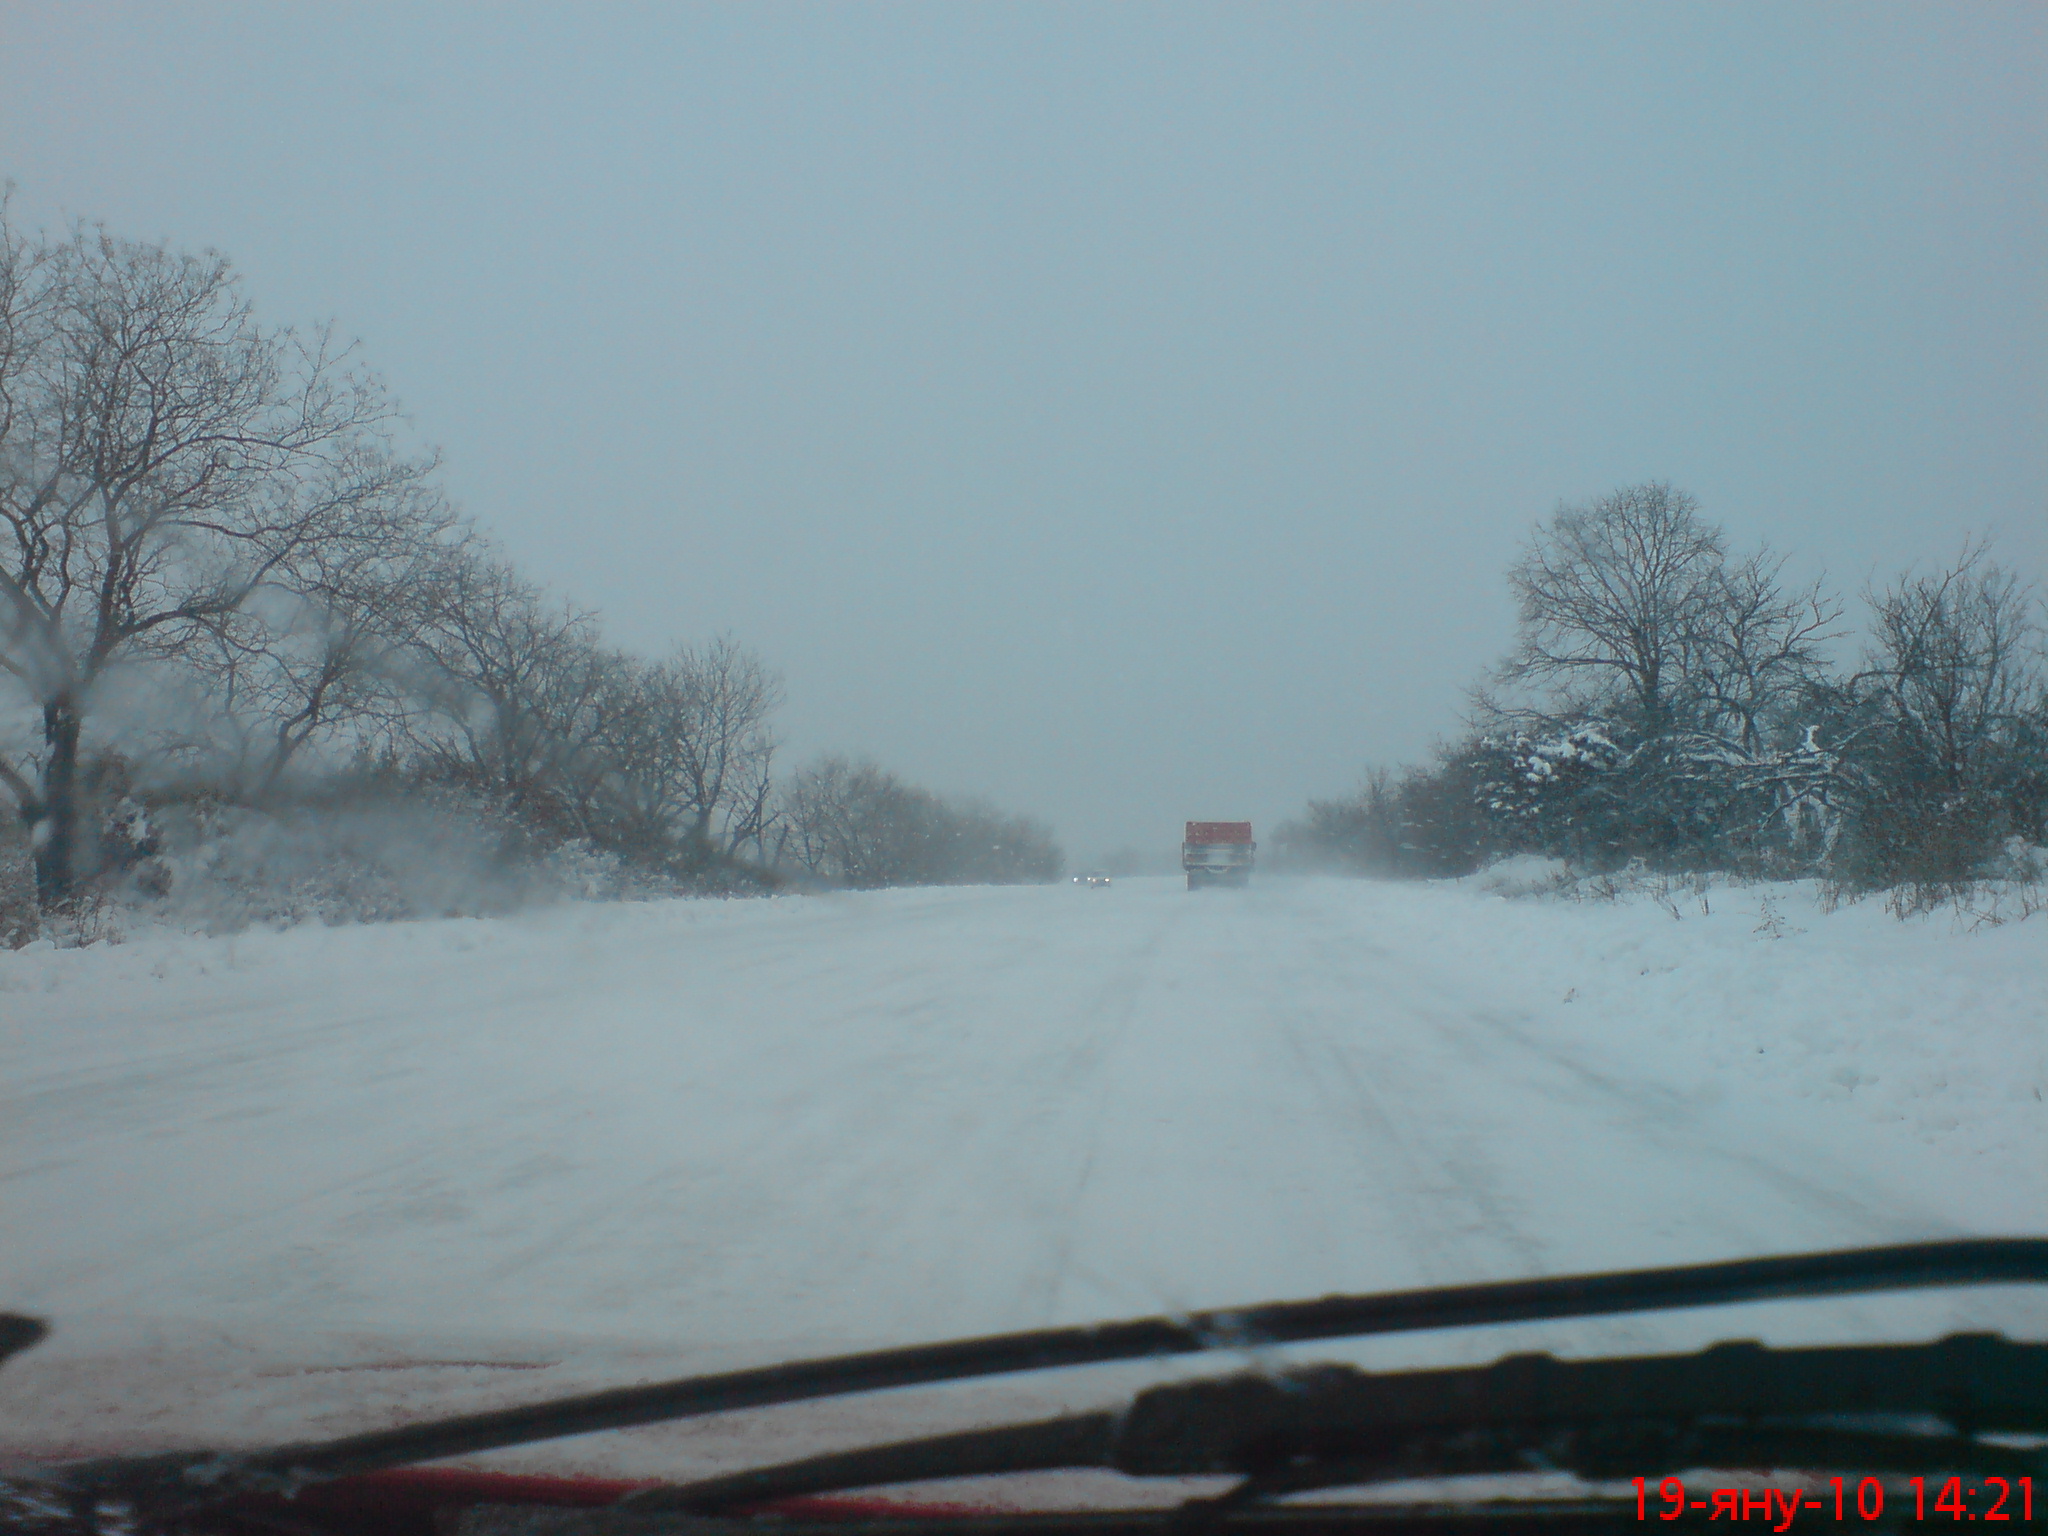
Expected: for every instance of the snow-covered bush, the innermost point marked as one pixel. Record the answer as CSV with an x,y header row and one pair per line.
x,y
1525,874
434,853
2008,886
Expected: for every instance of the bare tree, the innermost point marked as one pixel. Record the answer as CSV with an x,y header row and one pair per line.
x,y
1754,644
855,824
1941,743
162,458
20,918
673,761
668,763
517,686
718,698
816,831
1957,660
327,653
1611,597
1691,669
180,485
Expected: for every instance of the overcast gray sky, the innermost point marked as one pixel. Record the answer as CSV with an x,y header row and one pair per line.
x,y
1122,411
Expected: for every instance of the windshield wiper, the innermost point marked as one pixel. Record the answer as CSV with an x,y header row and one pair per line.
x,y
1880,1408
187,1479
18,1333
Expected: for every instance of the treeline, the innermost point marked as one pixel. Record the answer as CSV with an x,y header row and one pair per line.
x,y
223,577
853,824
1674,704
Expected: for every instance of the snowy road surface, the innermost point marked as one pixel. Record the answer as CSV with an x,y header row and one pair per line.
x,y
316,1180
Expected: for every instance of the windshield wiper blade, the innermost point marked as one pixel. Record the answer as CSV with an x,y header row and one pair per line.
x,y
18,1333
1327,1426
184,1478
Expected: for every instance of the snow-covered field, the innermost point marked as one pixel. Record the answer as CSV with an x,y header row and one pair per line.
x,y
316,1180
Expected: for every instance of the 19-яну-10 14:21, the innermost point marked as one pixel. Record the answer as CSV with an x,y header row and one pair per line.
x,y
2011,1499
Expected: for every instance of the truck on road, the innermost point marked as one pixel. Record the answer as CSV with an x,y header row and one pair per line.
x,y
1218,853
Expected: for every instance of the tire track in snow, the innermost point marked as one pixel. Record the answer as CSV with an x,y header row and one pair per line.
x,y
1650,1117
1114,1009
1821,1188
1446,1191
940,1165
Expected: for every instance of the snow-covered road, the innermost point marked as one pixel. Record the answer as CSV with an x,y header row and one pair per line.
x,y
263,1184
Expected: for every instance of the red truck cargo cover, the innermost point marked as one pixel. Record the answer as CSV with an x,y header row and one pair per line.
x,y
1219,831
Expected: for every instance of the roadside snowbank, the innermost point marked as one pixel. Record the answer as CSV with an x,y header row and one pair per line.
x,y
1774,995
